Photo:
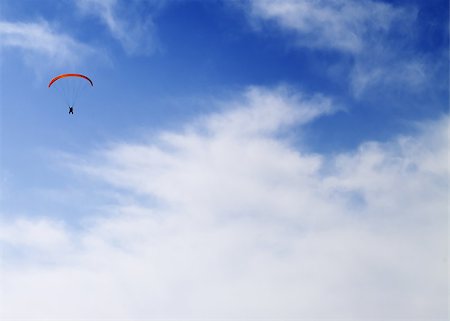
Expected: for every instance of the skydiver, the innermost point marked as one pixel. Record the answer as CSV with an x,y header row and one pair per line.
x,y
71,110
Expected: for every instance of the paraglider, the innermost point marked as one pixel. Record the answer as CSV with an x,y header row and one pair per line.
x,y
69,86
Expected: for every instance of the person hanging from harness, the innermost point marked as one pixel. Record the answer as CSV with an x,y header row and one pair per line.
x,y
71,110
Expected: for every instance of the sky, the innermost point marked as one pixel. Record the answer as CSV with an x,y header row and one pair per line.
x,y
234,160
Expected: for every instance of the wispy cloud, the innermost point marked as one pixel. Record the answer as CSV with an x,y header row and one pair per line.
x,y
362,29
40,42
225,218
130,22
338,24
384,70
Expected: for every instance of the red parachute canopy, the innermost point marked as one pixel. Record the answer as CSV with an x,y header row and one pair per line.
x,y
70,75
70,86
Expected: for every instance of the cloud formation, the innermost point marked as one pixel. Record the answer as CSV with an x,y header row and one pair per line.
x,y
130,22
363,29
225,218
339,24
39,41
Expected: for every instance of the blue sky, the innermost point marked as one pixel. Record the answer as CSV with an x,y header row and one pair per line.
x,y
212,124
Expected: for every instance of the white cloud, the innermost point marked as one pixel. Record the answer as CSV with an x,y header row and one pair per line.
x,y
228,220
383,67
358,28
338,24
42,43
128,21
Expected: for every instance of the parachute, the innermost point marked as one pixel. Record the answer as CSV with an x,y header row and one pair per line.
x,y
69,86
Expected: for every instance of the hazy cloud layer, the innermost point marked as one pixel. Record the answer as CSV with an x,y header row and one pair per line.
x,y
42,43
227,219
